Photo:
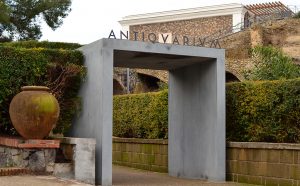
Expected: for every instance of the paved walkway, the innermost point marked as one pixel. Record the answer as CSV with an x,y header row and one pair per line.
x,y
30,180
128,176
122,176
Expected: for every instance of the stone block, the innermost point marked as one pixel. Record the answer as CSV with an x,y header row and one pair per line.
x,y
272,156
114,144
295,172
257,168
144,158
256,180
229,177
164,149
253,168
2,149
117,156
232,154
136,148
135,158
245,154
123,147
129,147
235,177
14,152
285,182
50,167
37,161
242,167
278,170
158,160
271,181
156,149
64,170
231,166
296,156
3,159
25,163
165,160
243,178
151,159
147,148
262,168
50,155
17,160
25,154
117,146
84,162
256,155
286,156
125,156
156,168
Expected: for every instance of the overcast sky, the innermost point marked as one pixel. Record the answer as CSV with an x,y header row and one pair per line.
x,y
91,20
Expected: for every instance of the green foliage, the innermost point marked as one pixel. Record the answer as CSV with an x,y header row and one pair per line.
x,y
4,15
59,69
43,44
21,19
297,15
141,115
272,64
267,111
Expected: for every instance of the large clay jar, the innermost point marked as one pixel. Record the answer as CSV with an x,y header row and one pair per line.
x,y
34,112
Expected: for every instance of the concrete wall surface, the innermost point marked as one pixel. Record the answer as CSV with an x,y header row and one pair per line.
x,y
81,152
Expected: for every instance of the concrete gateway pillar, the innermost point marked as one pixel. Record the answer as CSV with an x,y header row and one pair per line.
x,y
196,104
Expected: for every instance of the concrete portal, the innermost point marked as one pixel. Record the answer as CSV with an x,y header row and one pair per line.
x,y
196,104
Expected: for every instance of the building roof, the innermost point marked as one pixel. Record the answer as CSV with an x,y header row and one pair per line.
x,y
183,14
264,9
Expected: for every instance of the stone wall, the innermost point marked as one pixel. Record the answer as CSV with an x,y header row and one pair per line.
x,y
263,163
141,153
199,27
63,157
36,160
256,163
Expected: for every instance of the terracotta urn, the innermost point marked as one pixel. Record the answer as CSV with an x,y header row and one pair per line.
x,y
34,112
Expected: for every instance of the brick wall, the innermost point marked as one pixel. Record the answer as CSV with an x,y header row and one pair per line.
x,y
199,27
256,163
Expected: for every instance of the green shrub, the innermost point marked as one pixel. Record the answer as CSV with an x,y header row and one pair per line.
x,y
43,44
267,111
141,115
297,15
60,70
272,64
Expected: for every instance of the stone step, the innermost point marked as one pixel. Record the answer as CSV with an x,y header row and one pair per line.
x,y
12,171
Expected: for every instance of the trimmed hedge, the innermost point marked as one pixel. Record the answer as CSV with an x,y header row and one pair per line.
x,y
42,44
59,69
141,115
266,111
